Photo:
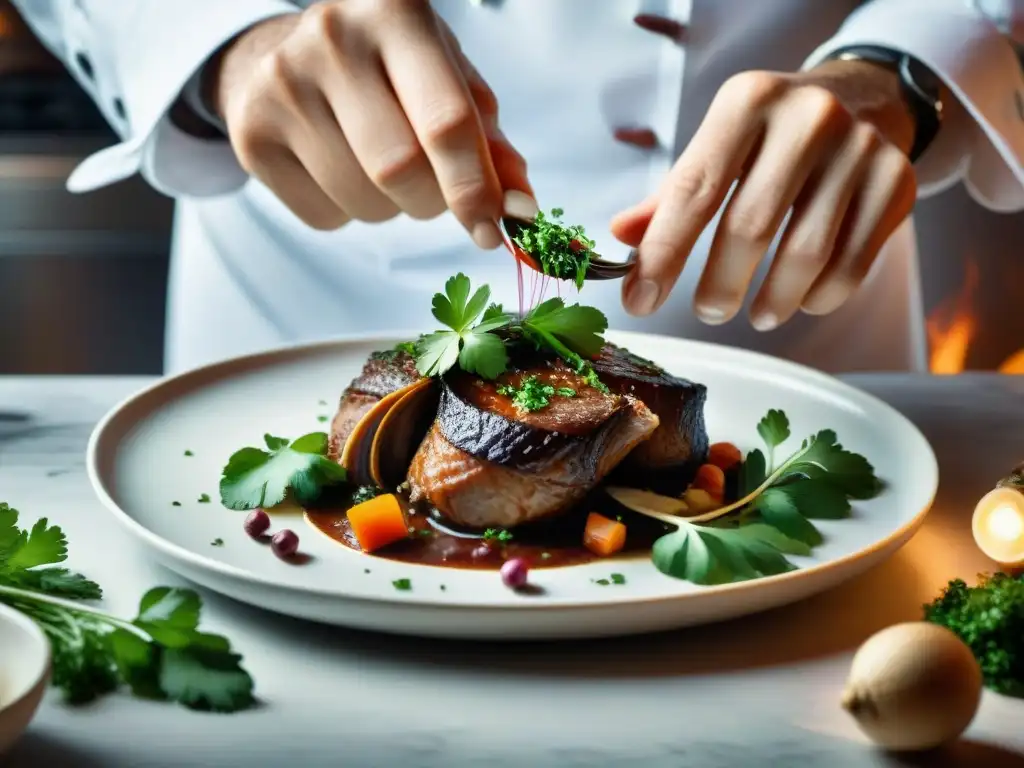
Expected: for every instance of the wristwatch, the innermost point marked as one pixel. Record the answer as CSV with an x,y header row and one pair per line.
x,y
921,88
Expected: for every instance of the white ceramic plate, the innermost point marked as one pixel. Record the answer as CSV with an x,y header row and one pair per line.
x,y
137,466
24,673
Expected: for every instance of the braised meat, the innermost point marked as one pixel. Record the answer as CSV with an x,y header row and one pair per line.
x,y
487,462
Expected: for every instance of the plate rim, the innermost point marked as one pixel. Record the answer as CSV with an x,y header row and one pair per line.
x,y
224,368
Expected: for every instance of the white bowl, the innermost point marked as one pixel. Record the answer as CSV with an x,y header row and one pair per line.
x,y
24,673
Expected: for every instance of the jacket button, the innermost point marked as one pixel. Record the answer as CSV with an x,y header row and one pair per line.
x,y
660,25
644,138
84,65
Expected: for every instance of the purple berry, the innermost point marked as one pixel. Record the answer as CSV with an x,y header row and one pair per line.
x,y
285,543
257,523
514,572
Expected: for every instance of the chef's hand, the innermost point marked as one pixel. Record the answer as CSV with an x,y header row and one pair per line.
x,y
830,143
362,109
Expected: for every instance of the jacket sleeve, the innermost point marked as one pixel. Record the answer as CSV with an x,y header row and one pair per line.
x,y
972,46
134,57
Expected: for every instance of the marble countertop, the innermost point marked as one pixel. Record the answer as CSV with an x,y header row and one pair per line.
x,y
761,691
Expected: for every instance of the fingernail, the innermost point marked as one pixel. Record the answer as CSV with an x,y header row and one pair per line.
x,y
826,299
711,314
520,205
765,321
486,235
643,297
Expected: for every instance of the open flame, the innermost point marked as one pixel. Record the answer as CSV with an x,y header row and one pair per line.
x,y
952,327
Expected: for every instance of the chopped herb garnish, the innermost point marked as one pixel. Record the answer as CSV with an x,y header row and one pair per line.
x,y
366,570
602,582
255,477
751,537
498,534
204,498
532,394
425,532
618,578
189,453
443,587
321,418
218,542
402,585
160,654
561,251
175,503
365,493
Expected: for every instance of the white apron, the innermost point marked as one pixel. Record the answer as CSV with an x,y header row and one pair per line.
x,y
247,275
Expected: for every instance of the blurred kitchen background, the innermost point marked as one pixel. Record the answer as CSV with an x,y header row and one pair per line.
x,y
82,277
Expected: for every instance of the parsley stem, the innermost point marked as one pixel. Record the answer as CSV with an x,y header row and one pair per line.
x,y
714,514
27,595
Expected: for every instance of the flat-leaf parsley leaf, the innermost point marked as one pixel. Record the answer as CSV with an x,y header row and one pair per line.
x,y
161,654
255,477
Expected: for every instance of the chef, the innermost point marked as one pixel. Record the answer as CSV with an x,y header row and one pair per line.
x,y
334,162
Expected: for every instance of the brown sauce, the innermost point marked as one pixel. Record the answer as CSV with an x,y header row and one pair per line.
x,y
548,544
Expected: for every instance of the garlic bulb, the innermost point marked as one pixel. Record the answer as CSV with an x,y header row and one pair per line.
x,y
913,686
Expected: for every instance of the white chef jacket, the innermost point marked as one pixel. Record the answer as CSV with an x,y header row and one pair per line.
x,y
246,274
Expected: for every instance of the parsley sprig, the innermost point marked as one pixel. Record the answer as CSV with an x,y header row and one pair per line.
x,y
561,251
532,394
297,469
160,654
773,518
479,334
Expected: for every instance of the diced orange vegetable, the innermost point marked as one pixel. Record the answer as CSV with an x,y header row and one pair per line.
x,y
711,479
724,455
603,536
378,522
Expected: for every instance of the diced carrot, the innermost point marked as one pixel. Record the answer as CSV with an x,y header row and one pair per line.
x,y
378,522
725,456
711,479
603,536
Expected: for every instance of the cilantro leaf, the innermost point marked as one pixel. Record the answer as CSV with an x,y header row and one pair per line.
x,y
706,555
817,499
779,510
577,327
753,472
823,457
468,343
160,655
256,478
774,428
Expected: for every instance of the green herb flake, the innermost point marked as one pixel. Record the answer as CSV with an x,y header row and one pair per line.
x,y
443,588
498,534
175,503
365,493
402,585
561,251
602,582
297,469
189,453
160,655
204,498
321,418
218,542
618,578
366,570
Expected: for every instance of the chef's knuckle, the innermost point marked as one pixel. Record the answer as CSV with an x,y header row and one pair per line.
x,y
320,21
808,254
820,105
755,89
698,188
485,99
396,167
865,139
470,197
752,224
387,11
449,123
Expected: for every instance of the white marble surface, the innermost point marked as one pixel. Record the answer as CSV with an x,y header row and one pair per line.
x,y
762,691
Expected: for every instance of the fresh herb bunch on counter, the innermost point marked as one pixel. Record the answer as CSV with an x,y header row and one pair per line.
x,y
989,618
160,654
